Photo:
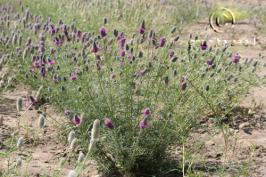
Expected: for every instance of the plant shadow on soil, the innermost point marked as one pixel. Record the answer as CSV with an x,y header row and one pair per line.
x,y
239,118
8,107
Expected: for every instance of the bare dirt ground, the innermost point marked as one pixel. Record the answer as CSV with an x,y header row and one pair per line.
x,y
247,144
45,152
246,152
44,149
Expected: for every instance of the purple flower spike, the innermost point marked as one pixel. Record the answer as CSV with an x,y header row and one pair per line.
x,y
236,58
36,64
64,28
147,112
122,53
52,30
43,72
120,35
74,77
142,28
203,45
79,34
122,42
76,120
209,62
171,53
183,83
109,123
103,31
143,124
95,48
57,41
51,62
162,41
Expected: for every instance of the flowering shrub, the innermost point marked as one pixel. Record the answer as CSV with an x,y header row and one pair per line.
x,y
146,90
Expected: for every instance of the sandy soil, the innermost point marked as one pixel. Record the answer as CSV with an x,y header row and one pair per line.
x,y
246,145
44,148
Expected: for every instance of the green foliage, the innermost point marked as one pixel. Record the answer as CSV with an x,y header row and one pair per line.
x,y
121,14
179,90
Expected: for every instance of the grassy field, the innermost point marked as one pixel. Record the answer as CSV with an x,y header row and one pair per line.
x,y
121,15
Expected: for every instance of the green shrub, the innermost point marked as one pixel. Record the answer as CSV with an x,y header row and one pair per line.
x,y
99,75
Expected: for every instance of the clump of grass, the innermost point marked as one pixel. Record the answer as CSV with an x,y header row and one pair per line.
x,y
138,87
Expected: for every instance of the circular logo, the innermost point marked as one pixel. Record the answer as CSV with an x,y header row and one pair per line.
x,y
221,17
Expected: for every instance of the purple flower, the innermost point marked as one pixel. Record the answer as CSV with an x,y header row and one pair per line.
x,y
43,71
203,45
41,48
51,62
79,34
95,48
64,28
209,62
142,28
109,123
85,37
43,61
122,42
143,124
147,112
171,53
74,77
120,35
122,53
236,58
183,83
56,78
52,30
58,42
103,31
76,120
162,41
36,64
